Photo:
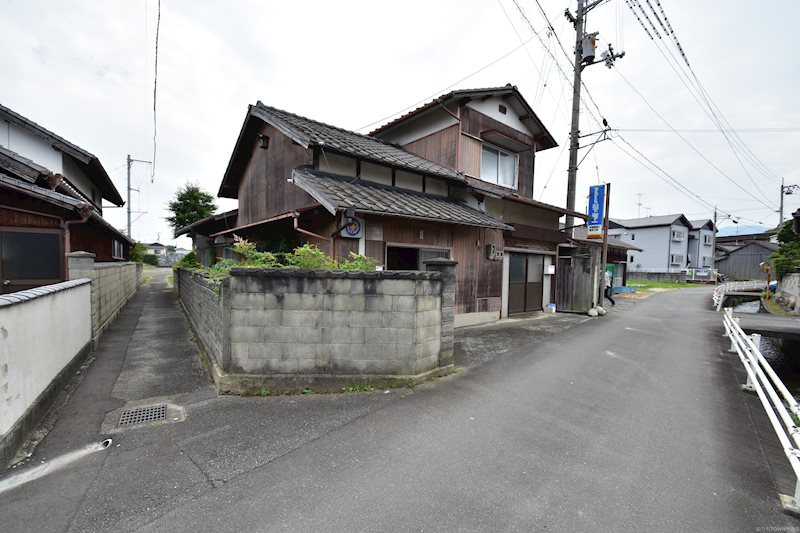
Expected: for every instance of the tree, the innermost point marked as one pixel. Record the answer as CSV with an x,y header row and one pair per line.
x,y
787,258
191,204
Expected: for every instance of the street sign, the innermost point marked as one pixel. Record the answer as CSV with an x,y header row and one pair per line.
x,y
597,204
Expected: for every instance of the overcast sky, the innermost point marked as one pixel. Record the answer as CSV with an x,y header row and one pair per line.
x,y
85,69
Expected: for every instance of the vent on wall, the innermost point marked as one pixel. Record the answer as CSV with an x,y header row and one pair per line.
x,y
502,109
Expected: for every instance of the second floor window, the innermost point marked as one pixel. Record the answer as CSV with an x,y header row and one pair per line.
x,y
706,239
498,166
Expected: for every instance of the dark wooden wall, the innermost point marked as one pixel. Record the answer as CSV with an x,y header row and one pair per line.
x,y
439,147
474,122
263,190
10,217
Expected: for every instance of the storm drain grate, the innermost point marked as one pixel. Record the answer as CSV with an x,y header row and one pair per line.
x,y
142,415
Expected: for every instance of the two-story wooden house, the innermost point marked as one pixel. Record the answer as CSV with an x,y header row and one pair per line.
x,y
51,194
299,180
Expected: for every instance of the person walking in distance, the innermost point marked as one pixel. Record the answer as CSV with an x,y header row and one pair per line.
x,y
609,281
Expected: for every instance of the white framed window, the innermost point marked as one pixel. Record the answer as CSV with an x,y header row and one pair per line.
x,y
706,239
676,259
677,235
117,250
498,166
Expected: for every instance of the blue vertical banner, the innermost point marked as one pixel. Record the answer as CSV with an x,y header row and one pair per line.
x,y
597,207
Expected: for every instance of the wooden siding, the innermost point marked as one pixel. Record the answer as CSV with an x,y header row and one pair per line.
x,y
10,217
263,190
470,156
474,122
478,280
439,147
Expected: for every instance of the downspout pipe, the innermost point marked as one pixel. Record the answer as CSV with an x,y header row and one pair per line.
x,y
300,230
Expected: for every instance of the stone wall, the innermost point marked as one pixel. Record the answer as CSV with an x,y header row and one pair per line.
x,y
203,305
113,284
788,292
318,324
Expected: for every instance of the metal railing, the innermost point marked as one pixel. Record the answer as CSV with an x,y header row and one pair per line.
x,y
782,409
718,298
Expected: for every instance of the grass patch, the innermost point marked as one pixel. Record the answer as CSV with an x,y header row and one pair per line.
x,y
171,280
775,308
658,286
359,387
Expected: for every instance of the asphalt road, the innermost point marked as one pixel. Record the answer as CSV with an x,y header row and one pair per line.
x,y
629,422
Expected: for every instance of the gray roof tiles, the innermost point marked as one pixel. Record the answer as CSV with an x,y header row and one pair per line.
x,y
337,193
646,222
309,132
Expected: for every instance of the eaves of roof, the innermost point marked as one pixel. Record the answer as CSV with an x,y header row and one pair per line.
x,y
89,162
545,138
208,221
337,193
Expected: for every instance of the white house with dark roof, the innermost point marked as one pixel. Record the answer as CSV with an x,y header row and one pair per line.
x,y
664,241
702,243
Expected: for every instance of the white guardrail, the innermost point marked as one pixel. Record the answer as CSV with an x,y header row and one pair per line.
x,y
718,298
781,407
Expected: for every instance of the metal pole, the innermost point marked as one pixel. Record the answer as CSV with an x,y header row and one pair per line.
x,y
572,173
129,162
780,222
605,244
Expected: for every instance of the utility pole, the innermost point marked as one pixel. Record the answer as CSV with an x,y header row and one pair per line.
x,y
584,56
129,163
639,210
785,189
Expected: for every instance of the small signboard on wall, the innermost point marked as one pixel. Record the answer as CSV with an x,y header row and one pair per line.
x,y
597,205
353,230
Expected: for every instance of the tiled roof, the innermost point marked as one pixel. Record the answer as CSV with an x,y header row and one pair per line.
x,y
337,193
90,163
508,89
646,222
309,132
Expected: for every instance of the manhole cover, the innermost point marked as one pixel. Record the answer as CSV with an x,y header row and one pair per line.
x,y
142,415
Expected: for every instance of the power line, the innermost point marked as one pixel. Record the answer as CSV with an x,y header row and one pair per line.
x,y
155,89
441,91
686,141
708,130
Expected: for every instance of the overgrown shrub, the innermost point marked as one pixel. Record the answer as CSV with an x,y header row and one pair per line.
x,y
787,258
188,261
307,256
150,259
137,252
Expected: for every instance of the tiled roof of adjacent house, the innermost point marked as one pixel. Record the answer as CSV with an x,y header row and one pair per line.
x,y
337,193
90,163
309,132
646,222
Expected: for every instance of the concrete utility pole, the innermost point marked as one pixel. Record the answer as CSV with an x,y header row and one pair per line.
x,y
130,162
584,56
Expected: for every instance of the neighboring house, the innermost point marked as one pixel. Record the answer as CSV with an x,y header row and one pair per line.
x,y
299,180
742,262
209,240
664,241
739,240
156,248
51,195
702,244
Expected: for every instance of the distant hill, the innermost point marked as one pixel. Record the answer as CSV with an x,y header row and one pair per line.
x,y
740,230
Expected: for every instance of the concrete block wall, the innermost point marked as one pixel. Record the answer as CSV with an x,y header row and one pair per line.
x,y
113,284
788,292
290,321
204,307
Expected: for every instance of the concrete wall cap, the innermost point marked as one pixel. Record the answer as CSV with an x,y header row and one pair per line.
x,y
440,261
81,254
39,292
333,274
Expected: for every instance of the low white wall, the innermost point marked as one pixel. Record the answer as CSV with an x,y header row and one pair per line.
x,y
41,331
